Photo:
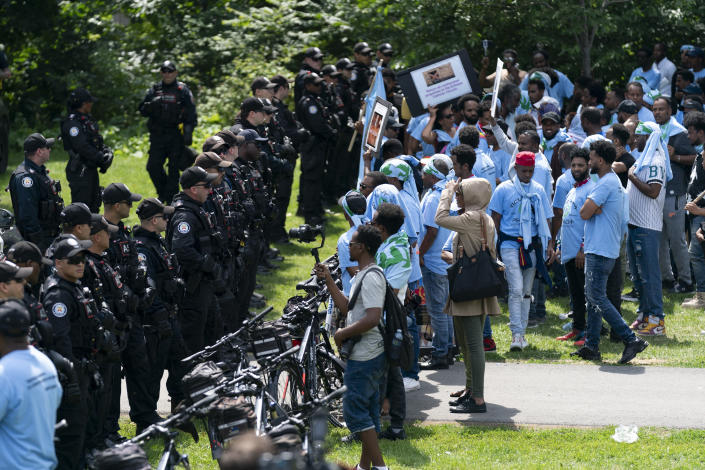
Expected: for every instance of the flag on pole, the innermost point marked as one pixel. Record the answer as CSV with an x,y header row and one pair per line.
x,y
377,89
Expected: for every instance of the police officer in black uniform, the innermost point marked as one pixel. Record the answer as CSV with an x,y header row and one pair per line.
x,y
361,72
75,222
188,235
385,52
36,199
313,115
312,63
86,149
165,345
168,104
78,336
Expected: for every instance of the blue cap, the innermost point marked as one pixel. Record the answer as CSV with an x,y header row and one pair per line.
x,y
686,47
251,135
693,89
695,52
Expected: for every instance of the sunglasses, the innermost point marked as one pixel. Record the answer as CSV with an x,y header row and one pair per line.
x,y
363,186
168,70
76,259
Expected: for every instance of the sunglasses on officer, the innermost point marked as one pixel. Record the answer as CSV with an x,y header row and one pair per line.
x,y
76,259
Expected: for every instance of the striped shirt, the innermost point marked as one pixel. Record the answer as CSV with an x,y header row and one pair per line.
x,y
644,211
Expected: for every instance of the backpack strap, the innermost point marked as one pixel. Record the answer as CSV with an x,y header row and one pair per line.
x,y
358,286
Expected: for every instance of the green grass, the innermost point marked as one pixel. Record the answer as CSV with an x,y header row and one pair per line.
x,y
450,446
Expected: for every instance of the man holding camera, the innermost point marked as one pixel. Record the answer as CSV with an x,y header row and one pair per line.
x,y
367,362
87,152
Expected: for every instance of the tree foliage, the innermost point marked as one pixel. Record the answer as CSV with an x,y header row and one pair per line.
x,y
114,47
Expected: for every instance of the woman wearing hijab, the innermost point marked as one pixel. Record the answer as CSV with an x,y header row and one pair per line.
x,y
470,227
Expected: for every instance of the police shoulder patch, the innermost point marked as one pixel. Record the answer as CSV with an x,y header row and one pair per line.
x,y
312,109
142,257
73,131
59,310
27,182
183,227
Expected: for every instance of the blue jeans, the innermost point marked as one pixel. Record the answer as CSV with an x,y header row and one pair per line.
x,y
487,330
697,257
520,283
597,270
361,400
436,287
643,248
537,309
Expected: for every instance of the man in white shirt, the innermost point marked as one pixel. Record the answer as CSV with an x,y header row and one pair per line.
x,y
665,67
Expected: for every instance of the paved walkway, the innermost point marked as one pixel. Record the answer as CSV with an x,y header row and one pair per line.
x,y
560,395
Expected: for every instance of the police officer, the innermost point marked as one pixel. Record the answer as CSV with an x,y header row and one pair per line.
x,y
313,115
87,152
168,104
78,336
361,73
36,201
385,52
75,221
123,257
165,345
313,60
189,237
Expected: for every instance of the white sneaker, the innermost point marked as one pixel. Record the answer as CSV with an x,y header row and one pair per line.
x,y
524,343
410,384
564,316
516,343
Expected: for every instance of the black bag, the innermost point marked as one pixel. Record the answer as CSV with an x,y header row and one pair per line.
x,y
226,418
201,379
127,456
400,351
476,277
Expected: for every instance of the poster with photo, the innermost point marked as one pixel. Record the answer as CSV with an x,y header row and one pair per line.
x,y
377,124
439,80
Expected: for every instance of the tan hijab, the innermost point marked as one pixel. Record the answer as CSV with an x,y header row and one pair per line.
x,y
476,195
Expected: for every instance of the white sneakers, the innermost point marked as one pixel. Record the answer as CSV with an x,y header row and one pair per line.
x,y
697,301
519,342
410,384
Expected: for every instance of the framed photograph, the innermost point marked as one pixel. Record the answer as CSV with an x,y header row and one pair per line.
x,y
441,79
378,122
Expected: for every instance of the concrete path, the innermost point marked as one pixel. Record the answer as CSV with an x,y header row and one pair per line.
x,y
559,395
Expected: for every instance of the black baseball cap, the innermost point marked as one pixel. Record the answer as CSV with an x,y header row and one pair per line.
x,y
10,271
386,49
102,224
281,80
24,251
230,138
330,70
551,116
313,53
695,52
195,175
250,104
167,66
118,192
152,206
79,96
37,141
362,48
78,213
14,318
70,246
251,135
260,83
269,108
344,63
627,106
214,143
312,78
692,104
356,202
211,160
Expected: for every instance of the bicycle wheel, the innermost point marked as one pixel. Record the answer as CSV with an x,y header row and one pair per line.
x,y
331,372
287,386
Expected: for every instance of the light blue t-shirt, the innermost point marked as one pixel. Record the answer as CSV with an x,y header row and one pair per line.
x,y
652,76
429,204
543,176
30,393
562,90
415,132
645,115
506,201
698,75
573,226
344,259
603,232
484,168
564,184
501,161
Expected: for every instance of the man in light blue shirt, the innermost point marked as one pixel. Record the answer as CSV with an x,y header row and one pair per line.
x,y
433,268
646,69
572,189
470,109
484,166
603,212
30,391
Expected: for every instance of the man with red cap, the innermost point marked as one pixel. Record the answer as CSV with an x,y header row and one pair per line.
x,y
521,212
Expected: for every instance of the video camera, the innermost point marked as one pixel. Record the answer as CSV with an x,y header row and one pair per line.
x,y
307,233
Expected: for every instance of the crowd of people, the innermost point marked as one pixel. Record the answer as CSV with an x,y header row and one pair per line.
x,y
569,184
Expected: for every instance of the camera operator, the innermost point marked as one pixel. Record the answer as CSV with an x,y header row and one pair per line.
x,y
367,362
